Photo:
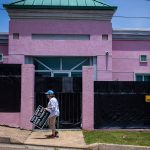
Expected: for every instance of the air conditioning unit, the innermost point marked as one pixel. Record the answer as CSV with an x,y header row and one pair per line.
x,y
143,58
1,57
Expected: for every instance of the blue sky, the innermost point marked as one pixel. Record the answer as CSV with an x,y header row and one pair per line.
x,y
131,8
140,9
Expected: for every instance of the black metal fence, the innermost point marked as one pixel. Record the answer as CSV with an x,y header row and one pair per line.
x,y
10,87
121,104
69,94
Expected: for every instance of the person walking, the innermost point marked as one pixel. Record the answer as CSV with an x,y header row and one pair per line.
x,y
53,108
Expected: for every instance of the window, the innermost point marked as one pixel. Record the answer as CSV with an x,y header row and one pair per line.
x,y
1,57
139,78
43,74
60,74
61,66
104,36
60,37
76,74
16,36
142,77
143,58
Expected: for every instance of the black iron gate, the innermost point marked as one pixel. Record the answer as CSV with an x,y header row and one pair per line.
x,y
10,87
121,104
69,94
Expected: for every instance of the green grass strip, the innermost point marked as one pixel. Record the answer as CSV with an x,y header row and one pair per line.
x,y
118,137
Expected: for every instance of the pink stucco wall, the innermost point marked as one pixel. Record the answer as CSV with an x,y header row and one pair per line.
x,y
88,98
126,59
22,119
4,49
26,46
95,47
104,67
10,119
27,96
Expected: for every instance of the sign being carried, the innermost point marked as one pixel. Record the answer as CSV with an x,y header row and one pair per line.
x,y
147,98
40,117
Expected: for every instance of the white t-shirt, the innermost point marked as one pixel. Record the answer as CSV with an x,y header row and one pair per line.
x,y
53,107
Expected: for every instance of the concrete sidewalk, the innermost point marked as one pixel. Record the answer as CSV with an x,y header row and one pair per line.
x,y
69,139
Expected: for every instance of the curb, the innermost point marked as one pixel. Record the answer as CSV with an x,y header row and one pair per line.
x,y
100,146
96,146
31,147
8,140
10,146
5,140
11,143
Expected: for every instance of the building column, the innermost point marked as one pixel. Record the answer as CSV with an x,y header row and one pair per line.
x,y
27,96
88,98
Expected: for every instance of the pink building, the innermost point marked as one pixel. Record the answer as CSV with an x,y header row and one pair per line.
x,y
57,38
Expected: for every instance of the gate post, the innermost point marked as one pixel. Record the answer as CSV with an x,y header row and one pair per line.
x,y
27,95
88,98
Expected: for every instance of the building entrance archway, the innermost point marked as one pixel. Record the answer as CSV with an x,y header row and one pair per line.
x,y
64,76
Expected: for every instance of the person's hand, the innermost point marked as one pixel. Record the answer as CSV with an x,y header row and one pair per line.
x,y
45,108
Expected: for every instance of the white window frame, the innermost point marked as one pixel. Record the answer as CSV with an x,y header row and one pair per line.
x,y
141,57
93,62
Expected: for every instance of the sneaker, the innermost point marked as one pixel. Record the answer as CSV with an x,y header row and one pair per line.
x,y
56,134
50,136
